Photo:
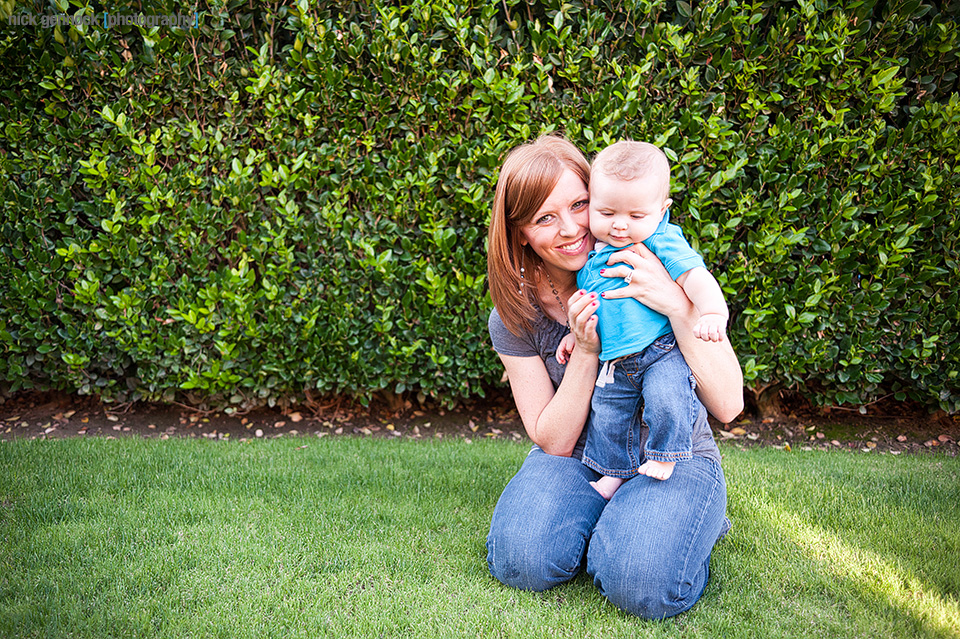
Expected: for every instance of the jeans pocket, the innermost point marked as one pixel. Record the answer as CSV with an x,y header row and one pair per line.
x,y
666,343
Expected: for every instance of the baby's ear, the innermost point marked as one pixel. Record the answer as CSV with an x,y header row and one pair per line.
x,y
666,204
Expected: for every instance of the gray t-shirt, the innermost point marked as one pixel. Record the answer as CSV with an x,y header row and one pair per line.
x,y
543,341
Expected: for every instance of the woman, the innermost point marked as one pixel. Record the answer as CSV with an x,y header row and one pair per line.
x,y
648,548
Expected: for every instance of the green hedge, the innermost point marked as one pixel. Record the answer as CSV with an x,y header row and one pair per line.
x,y
293,199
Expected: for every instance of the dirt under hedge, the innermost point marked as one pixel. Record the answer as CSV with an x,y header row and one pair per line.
x,y
892,427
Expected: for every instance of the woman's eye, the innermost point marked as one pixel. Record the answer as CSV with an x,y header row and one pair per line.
x,y
546,219
579,205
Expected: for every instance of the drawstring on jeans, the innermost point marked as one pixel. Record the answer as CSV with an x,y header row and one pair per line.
x,y
606,374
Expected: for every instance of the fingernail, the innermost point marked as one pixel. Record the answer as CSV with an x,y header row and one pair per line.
x,y
582,292
594,304
602,271
593,296
603,295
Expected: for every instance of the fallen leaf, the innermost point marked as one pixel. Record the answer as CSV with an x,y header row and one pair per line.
x,y
151,426
820,435
473,426
69,414
496,431
259,433
738,431
279,424
768,420
13,419
416,431
931,443
117,427
727,434
871,444
945,438
390,427
901,438
835,442
787,448
113,418
339,431
295,417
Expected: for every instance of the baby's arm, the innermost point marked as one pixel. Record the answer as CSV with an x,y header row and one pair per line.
x,y
566,347
704,291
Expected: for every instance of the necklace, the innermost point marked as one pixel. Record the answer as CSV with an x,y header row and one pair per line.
x,y
556,295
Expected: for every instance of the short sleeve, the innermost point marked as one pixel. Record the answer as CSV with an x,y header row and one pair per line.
x,y
505,342
674,251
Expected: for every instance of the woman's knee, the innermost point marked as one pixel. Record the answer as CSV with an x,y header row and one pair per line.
x,y
532,558
645,589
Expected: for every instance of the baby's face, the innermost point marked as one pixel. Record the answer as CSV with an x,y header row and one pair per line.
x,y
624,213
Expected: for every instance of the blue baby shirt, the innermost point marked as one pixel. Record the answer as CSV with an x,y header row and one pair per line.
x,y
625,325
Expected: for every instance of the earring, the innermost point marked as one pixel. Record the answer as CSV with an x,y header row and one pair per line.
x,y
522,280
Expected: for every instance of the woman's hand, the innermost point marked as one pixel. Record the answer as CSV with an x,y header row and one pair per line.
x,y
583,320
650,285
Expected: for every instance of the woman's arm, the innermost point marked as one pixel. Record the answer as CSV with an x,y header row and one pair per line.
x,y
714,364
554,420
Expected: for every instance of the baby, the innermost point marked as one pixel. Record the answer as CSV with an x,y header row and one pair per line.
x,y
629,202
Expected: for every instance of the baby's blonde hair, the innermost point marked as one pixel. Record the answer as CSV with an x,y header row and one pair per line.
x,y
628,160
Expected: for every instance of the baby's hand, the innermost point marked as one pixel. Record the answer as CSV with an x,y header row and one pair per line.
x,y
711,327
566,347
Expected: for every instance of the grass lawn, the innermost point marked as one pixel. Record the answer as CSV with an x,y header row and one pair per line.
x,y
307,537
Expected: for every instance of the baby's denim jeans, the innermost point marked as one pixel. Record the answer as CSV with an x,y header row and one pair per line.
x,y
655,386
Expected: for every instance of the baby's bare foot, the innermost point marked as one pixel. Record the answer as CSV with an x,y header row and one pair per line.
x,y
607,486
657,470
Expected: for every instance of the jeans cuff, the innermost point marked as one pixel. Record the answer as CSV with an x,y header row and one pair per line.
x,y
658,456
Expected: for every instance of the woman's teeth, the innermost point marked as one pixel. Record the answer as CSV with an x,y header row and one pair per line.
x,y
573,247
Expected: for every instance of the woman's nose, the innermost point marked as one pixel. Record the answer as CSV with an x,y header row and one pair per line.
x,y
568,225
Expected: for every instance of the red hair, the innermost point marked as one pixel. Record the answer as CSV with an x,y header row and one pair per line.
x,y
527,178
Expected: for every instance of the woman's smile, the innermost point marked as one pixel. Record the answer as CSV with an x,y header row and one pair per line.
x,y
573,248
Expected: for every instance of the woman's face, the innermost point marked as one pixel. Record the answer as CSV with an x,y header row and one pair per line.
x,y
559,232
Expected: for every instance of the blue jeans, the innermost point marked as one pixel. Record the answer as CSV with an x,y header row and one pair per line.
x,y
647,549
659,381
